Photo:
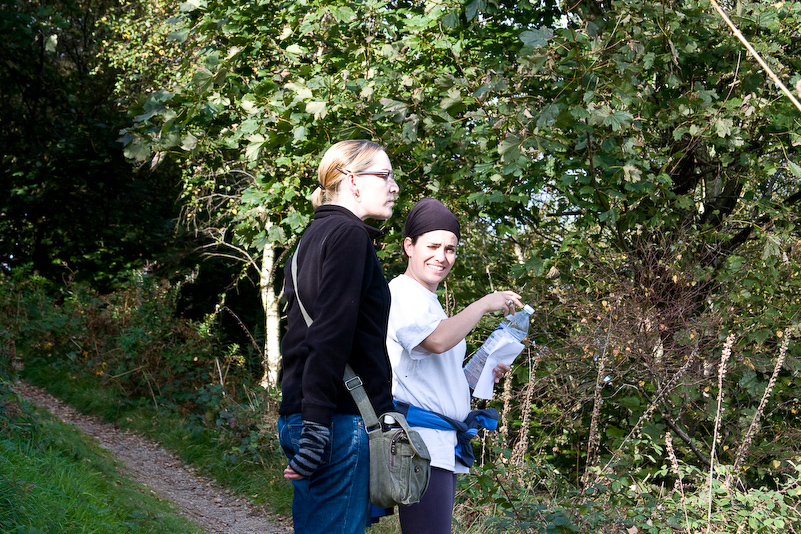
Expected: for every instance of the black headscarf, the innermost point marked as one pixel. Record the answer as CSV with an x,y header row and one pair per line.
x,y
428,215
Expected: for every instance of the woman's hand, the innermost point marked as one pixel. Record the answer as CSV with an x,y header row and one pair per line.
x,y
290,474
313,439
504,301
500,370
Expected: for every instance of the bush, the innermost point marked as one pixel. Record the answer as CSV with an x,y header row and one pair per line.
x,y
533,498
132,340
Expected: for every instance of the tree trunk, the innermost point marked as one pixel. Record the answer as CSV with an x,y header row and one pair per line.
x,y
269,300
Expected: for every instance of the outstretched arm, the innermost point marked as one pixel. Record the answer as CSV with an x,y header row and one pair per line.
x,y
454,329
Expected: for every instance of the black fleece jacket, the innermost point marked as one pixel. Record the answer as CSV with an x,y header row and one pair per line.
x,y
342,287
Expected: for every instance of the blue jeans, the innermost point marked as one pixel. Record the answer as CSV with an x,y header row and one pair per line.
x,y
336,499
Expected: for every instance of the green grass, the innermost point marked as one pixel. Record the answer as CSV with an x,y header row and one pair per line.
x,y
54,480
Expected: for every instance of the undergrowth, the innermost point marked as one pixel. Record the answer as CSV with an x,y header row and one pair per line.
x,y
250,467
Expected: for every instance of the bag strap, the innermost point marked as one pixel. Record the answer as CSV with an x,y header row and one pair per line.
x,y
303,311
353,382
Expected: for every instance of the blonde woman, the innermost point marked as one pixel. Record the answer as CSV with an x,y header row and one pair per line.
x,y
342,286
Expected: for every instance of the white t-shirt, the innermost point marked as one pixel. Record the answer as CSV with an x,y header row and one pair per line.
x,y
431,381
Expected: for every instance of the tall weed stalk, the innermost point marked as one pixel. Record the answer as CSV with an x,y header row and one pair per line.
x,y
752,429
724,358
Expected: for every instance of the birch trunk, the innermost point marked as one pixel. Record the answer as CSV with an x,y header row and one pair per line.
x,y
269,300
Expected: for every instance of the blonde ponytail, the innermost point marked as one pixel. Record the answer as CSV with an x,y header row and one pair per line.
x,y
318,196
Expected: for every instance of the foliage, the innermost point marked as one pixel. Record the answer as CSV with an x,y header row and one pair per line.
x,y
604,131
537,498
625,504
580,112
131,339
129,357
274,84
137,43
674,200
134,344
70,203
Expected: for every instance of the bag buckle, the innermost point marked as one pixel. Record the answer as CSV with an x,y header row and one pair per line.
x,y
357,382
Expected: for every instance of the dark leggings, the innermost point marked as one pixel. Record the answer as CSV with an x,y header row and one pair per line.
x,y
434,513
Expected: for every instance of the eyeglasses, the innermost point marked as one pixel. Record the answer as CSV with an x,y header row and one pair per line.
x,y
386,175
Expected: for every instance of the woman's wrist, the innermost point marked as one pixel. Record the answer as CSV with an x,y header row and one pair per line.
x,y
313,440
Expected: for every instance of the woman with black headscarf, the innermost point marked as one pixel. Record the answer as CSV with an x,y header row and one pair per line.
x,y
427,351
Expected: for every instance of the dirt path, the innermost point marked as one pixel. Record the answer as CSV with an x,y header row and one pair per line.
x,y
147,462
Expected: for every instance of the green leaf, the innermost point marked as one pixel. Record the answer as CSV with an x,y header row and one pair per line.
x,y
302,92
253,149
610,216
410,130
632,173
794,168
189,142
548,115
537,37
202,79
723,126
318,109
137,150
454,97
618,120
294,52
51,43
473,8
343,13
179,36
509,148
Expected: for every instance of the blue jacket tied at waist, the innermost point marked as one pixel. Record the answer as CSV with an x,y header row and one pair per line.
x,y
465,430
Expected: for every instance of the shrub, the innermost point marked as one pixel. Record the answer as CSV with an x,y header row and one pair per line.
x,y
131,339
